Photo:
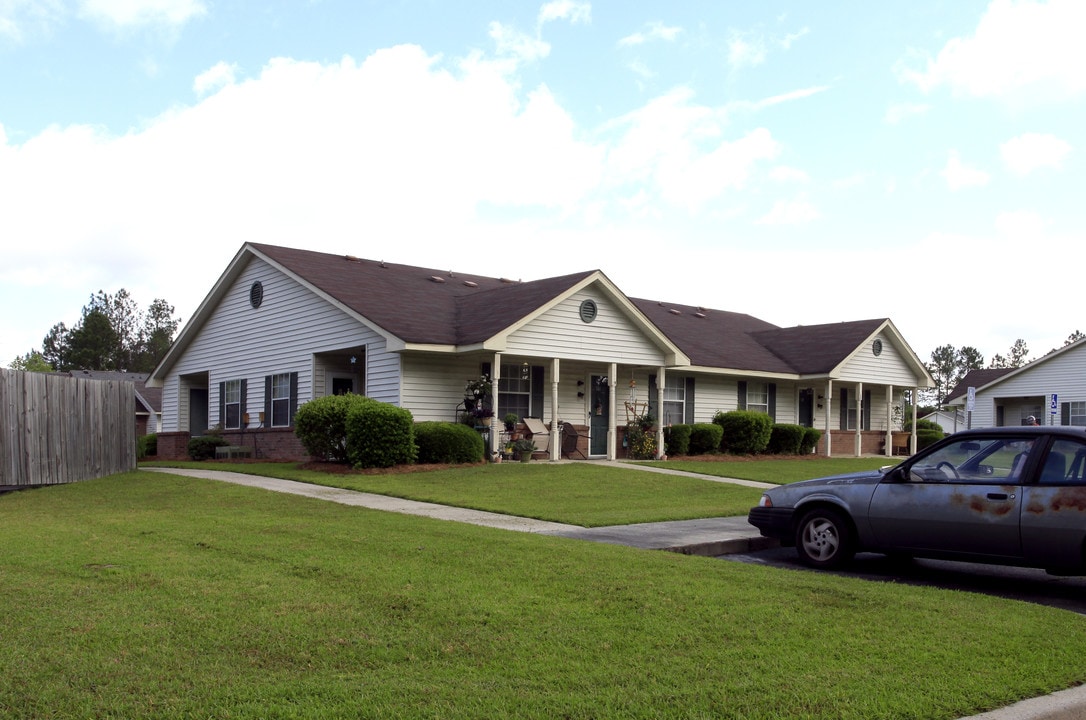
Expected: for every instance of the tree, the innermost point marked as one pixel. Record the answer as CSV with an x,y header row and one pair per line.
x,y
1073,337
948,366
1019,354
33,361
112,334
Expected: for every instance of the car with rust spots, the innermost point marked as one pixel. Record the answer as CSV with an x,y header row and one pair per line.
x,y
1007,495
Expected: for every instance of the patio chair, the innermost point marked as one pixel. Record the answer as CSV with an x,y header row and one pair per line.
x,y
539,433
570,441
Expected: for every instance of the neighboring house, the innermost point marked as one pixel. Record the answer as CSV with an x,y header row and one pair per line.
x,y
951,421
282,326
148,399
1051,388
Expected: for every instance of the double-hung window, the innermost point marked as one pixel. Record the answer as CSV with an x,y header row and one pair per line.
x,y
1077,413
674,400
758,397
514,391
280,400
231,419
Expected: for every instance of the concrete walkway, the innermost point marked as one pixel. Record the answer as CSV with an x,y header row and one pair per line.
x,y
709,536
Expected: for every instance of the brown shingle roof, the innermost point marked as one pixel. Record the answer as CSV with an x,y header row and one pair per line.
x,y
818,349
977,378
420,305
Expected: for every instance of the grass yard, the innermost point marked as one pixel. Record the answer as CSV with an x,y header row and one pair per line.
x,y
574,493
150,595
775,470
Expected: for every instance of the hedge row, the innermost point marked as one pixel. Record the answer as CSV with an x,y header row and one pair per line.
x,y
740,432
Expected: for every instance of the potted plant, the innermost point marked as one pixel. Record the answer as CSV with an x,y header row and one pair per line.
x,y
483,415
510,421
524,449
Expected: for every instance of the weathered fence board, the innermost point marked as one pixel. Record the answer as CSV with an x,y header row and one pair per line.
x,y
57,429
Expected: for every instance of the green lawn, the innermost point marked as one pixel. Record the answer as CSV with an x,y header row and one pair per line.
x,y
575,493
150,595
778,471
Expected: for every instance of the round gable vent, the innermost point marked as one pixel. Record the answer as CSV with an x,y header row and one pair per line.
x,y
876,347
588,310
256,294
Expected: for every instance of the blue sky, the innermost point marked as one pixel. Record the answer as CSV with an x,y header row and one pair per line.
x,y
801,162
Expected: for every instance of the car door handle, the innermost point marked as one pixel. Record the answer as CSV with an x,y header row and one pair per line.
x,y
998,496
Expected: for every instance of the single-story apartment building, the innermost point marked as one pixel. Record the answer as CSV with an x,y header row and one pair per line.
x,y
284,325
1051,388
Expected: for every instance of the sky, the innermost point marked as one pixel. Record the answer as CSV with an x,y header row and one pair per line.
x,y
801,162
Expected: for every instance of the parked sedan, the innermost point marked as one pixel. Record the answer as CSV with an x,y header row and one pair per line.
x,y
1011,496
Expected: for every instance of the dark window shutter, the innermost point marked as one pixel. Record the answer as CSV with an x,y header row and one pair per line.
x,y
652,397
293,397
1065,413
484,369
742,394
267,400
222,405
773,402
688,412
537,392
244,398
844,408
867,410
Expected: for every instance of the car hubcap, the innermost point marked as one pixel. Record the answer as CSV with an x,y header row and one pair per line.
x,y
820,540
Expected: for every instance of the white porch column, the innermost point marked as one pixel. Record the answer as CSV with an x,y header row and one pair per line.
x,y
494,433
556,440
612,422
858,438
829,414
661,380
912,435
889,442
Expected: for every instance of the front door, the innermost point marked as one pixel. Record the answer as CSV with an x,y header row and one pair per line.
x,y
198,401
806,407
599,411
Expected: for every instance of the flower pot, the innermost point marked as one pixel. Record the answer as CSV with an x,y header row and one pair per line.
x,y
485,421
525,457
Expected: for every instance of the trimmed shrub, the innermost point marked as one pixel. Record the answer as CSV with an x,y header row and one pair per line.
x,y
746,432
927,436
321,425
445,442
705,438
380,435
147,445
785,439
677,439
810,440
202,447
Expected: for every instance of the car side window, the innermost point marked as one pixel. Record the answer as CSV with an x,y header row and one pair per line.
x,y
1065,464
975,460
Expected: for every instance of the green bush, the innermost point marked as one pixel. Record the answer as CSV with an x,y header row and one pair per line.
x,y
677,439
446,442
321,425
785,439
146,446
202,447
380,435
927,436
705,438
810,440
746,432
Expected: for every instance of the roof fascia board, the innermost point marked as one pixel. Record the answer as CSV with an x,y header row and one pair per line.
x,y
708,370
1033,364
909,356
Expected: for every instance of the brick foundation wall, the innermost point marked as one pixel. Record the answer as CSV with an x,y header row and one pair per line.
x,y
267,444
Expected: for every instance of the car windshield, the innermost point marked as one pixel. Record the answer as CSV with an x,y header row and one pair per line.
x,y
974,459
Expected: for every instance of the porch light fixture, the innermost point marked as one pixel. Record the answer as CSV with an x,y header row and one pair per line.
x,y
525,371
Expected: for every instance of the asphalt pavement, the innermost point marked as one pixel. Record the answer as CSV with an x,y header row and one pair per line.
x,y
709,536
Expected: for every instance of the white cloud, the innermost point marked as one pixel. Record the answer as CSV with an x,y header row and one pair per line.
x,y
509,41
138,13
656,31
216,77
1017,46
900,112
791,212
783,174
745,49
1028,152
575,12
958,175
20,18
785,97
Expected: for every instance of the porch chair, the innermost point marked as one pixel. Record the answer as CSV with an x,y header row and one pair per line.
x,y
570,438
539,433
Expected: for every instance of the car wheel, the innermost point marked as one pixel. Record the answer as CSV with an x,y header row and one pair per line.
x,y
824,539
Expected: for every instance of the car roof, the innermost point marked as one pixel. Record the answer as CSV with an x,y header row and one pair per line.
x,y
1064,430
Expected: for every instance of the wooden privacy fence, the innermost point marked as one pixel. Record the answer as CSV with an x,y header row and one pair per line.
x,y
59,429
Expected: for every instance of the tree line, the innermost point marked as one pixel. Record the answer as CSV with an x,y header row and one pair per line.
x,y
112,333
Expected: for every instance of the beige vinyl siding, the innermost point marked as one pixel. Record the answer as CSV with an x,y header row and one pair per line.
x,y
560,332
1063,374
242,342
433,385
887,368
